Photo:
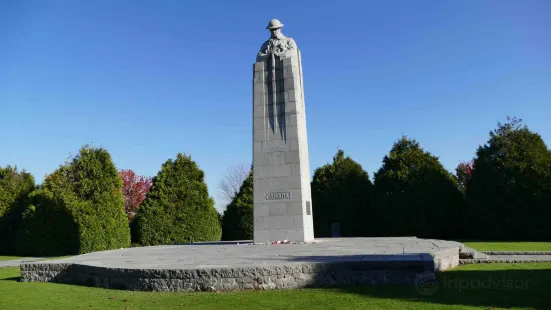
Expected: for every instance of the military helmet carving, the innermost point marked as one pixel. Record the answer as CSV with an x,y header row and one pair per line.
x,y
274,24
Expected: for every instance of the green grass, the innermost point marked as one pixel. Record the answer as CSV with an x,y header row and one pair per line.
x,y
458,289
9,257
4,258
508,246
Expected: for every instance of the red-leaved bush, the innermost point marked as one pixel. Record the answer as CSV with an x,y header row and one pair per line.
x,y
134,189
463,173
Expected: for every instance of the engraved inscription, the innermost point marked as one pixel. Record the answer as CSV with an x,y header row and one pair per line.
x,y
278,196
308,208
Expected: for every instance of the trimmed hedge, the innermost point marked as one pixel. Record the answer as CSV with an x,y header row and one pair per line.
x,y
178,208
237,221
415,195
509,192
15,186
341,194
79,209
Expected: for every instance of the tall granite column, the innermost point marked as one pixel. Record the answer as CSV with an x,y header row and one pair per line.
x,y
281,186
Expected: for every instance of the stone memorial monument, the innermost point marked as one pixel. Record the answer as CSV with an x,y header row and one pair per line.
x,y
282,211
282,197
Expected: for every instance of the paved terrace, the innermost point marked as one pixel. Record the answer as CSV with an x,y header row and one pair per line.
x,y
231,266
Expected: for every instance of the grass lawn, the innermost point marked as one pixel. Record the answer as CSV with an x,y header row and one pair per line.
x,y
4,258
9,257
508,246
484,286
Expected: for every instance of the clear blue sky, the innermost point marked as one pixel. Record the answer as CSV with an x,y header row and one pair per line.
x,y
149,79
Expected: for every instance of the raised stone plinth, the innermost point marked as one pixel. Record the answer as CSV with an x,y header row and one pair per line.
x,y
232,266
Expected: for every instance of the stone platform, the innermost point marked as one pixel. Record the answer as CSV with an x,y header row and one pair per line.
x,y
226,266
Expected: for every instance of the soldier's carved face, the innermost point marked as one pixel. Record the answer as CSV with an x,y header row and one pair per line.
x,y
275,32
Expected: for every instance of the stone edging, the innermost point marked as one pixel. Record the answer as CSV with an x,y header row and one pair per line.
x,y
273,277
493,261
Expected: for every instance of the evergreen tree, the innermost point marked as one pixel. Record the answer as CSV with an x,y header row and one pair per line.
x,y
340,194
15,187
415,195
178,208
237,223
509,191
79,209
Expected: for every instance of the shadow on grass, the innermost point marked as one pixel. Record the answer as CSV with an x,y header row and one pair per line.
x,y
482,285
15,279
522,288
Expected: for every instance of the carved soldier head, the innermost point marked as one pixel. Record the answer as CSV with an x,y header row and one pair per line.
x,y
275,27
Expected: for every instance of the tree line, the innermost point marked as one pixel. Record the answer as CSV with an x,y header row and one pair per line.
x,y
503,193
86,205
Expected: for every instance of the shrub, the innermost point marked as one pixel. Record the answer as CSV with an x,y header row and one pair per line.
x,y
134,190
79,209
341,194
178,208
415,195
509,192
463,173
15,186
237,221
48,226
